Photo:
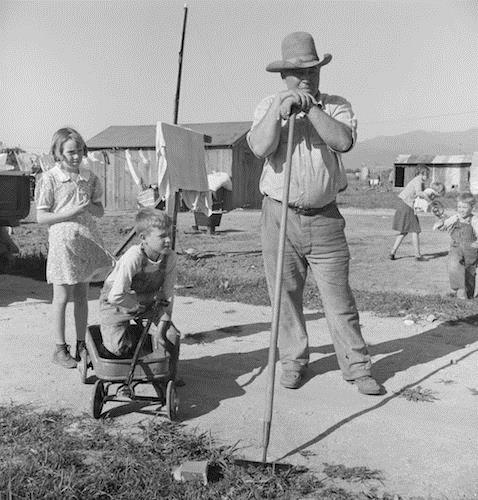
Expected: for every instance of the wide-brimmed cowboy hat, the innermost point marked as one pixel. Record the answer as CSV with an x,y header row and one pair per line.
x,y
298,52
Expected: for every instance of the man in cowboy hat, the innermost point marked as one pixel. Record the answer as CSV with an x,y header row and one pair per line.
x,y
325,127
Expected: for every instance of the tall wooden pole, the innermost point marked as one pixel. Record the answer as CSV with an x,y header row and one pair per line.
x,y
177,195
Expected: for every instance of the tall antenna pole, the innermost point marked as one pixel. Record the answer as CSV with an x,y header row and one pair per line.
x,y
180,62
177,196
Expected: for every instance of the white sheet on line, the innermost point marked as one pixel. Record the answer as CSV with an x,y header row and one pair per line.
x,y
182,166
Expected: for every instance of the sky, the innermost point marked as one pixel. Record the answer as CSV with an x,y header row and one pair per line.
x,y
404,65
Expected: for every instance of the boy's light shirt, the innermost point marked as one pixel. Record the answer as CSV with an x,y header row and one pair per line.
x,y
130,264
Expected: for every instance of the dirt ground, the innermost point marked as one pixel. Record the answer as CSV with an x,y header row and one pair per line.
x,y
423,449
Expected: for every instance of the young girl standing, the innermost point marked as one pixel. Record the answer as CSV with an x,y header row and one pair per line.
x,y
405,220
68,196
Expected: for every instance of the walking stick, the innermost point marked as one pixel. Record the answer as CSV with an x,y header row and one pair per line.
x,y
266,430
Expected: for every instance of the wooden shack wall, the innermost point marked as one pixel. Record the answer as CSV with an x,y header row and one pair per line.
x,y
455,178
247,170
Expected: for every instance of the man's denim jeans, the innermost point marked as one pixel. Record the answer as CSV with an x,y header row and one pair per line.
x,y
319,242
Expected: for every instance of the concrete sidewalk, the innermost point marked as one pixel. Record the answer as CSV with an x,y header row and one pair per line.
x,y
422,449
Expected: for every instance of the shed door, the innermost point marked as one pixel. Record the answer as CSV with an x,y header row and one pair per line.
x,y
399,176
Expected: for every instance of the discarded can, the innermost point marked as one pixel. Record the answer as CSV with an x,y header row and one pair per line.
x,y
192,471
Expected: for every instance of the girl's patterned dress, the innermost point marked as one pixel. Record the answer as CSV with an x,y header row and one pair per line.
x,y
75,247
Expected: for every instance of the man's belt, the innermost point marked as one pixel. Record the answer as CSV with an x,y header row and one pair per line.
x,y
306,211
310,211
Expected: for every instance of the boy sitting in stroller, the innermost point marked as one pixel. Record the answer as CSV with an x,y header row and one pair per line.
x,y
141,285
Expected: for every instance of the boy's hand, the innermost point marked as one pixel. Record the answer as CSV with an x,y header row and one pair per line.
x,y
141,309
153,310
437,225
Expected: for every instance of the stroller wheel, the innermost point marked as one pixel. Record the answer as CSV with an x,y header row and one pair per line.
x,y
172,401
98,399
83,366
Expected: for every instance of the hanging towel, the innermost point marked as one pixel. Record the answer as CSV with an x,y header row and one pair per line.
x,y
182,166
129,162
143,157
218,180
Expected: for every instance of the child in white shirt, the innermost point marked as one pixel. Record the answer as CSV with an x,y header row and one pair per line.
x,y
144,275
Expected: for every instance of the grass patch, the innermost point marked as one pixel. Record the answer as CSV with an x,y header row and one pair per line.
x,y
31,265
358,474
446,381
53,455
418,394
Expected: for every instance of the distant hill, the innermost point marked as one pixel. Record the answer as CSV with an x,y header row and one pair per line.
x,y
381,151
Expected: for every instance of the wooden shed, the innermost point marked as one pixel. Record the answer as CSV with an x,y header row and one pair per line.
x,y
452,170
227,151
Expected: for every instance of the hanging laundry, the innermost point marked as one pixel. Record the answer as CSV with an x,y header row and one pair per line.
x,y
143,157
218,180
129,163
96,156
46,162
182,166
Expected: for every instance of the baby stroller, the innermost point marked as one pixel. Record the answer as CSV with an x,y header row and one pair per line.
x,y
157,367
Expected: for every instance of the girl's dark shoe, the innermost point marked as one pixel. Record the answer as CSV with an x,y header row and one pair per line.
x,y
392,256
420,258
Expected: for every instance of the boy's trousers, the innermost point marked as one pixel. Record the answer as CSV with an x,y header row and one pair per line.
x,y
319,242
462,261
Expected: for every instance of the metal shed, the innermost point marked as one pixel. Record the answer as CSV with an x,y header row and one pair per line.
x,y
452,170
227,151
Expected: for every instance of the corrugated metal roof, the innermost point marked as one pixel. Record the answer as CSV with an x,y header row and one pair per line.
x,y
433,159
144,136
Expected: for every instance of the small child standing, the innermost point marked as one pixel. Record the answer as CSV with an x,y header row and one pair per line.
x,y
463,255
67,198
428,198
144,275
